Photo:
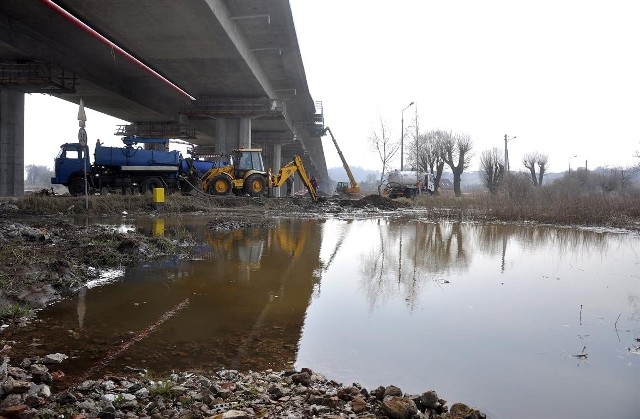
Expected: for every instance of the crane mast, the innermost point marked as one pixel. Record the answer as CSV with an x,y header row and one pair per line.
x,y
353,188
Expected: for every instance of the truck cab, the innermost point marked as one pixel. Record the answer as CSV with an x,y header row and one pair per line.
x,y
68,167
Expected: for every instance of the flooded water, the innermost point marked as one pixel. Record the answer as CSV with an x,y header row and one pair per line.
x,y
521,322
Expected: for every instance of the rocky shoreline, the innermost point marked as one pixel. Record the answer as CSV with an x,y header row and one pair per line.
x,y
27,392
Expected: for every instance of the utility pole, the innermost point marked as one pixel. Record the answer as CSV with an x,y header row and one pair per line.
x,y
506,154
82,139
402,137
417,153
570,157
506,151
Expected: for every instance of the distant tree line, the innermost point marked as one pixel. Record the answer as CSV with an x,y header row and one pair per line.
x,y
37,175
431,151
519,184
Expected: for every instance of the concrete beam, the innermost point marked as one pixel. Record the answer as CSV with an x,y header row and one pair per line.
x,y
221,13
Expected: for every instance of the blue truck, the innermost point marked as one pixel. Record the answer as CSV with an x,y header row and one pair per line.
x,y
141,165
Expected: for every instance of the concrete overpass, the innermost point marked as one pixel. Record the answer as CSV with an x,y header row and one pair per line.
x,y
227,72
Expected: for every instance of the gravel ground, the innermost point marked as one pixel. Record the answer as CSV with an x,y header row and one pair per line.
x,y
29,391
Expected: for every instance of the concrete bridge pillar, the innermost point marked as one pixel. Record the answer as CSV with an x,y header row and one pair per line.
x,y
11,143
232,133
275,164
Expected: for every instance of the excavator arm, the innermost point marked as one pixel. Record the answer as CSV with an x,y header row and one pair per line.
x,y
354,187
289,170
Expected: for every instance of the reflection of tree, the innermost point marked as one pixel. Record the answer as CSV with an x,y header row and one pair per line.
x,y
634,302
373,268
409,255
496,239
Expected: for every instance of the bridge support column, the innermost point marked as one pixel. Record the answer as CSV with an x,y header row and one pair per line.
x,y
276,164
232,133
11,143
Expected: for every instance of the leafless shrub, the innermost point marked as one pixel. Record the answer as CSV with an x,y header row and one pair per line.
x,y
492,169
516,187
576,199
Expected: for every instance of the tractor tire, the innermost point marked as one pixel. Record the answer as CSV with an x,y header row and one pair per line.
x,y
219,185
255,185
76,186
149,184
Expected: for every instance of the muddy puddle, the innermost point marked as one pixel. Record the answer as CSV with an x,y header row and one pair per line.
x,y
517,321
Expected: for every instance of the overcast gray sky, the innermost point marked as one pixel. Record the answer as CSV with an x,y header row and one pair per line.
x,y
562,76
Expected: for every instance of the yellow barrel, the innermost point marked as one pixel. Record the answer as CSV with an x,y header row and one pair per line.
x,y
158,195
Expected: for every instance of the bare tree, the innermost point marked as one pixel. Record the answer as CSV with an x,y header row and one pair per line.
x,y
457,155
530,160
492,169
543,161
380,141
428,154
38,175
433,155
615,179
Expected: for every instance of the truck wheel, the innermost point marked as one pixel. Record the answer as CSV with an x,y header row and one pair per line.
x,y
254,185
149,184
219,185
76,186
409,193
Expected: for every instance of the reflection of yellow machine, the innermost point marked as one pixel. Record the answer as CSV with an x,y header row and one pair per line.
x,y
244,174
289,170
239,244
291,243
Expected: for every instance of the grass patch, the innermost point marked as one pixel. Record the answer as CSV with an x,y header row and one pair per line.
x,y
112,204
15,311
544,205
163,389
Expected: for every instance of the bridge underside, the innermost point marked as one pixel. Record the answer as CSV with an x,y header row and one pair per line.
x,y
226,72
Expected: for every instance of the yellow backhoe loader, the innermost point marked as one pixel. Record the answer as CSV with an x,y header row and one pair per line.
x,y
289,170
242,173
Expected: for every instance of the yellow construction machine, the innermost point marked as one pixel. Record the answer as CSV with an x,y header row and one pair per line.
x,y
289,170
344,188
242,172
